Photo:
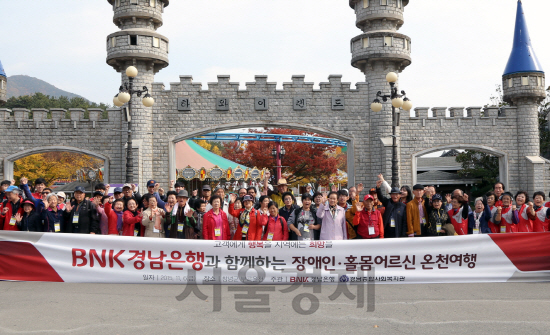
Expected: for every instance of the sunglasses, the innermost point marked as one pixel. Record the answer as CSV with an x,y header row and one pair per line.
x,y
46,193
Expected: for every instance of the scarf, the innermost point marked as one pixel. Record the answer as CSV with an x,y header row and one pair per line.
x,y
118,220
245,218
333,211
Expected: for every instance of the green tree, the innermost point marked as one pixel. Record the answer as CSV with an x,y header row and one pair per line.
x,y
479,165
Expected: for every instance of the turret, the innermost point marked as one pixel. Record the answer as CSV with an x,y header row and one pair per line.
x,y
378,50
138,44
523,86
3,85
523,79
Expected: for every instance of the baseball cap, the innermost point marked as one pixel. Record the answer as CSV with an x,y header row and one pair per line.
x,y
12,188
151,183
206,188
79,189
183,193
367,197
96,193
127,185
418,187
437,197
28,202
372,191
117,190
62,194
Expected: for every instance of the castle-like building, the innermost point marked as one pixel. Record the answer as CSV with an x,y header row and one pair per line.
x,y
336,109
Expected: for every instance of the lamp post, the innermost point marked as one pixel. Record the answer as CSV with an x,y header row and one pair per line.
x,y
397,101
125,93
278,154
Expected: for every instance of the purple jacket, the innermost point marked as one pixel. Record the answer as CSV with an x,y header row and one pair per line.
x,y
332,228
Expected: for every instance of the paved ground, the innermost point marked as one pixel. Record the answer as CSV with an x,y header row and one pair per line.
x,y
146,309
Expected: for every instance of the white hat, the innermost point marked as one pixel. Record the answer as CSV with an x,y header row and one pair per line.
x,y
62,194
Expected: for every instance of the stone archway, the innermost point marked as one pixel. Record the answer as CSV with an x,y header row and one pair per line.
x,y
259,124
9,160
502,158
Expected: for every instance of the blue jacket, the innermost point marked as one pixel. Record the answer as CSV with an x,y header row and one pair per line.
x,y
483,221
28,195
50,217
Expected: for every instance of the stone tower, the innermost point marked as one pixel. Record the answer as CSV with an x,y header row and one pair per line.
x,y
378,50
3,85
523,86
138,44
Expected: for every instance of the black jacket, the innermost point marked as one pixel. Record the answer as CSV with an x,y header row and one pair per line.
x,y
31,222
398,211
88,219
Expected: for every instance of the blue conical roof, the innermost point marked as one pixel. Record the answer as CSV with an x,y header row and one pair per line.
x,y
2,73
522,58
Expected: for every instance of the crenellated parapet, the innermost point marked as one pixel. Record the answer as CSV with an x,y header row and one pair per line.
x,y
58,118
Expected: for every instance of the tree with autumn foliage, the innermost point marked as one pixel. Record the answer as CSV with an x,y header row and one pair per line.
x,y
53,166
304,162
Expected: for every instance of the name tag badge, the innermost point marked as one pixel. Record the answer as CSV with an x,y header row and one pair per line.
x,y
476,231
75,218
13,221
217,232
57,227
371,230
423,221
245,229
136,232
270,237
503,229
180,227
155,230
306,228
392,224
438,227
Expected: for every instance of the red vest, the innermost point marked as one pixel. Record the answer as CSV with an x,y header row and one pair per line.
x,y
525,225
540,224
494,228
506,220
460,224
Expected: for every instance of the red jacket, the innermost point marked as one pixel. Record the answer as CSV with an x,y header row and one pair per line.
x,y
255,228
279,229
129,222
5,219
208,224
111,215
374,219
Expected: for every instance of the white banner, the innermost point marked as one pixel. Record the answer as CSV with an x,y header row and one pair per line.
x,y
118,259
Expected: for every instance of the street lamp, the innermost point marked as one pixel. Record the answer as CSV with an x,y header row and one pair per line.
x,y
124,96
397,101
278,153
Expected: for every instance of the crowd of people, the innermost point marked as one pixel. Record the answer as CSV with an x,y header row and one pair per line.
x,y
272,214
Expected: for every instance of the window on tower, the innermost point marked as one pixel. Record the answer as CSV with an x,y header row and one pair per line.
x,y
366,42
133,2
510,82
388,41
156,42
152,3
384,2
1,84
113,42
365,3
117,3
539,81
133,40
399,3
524,81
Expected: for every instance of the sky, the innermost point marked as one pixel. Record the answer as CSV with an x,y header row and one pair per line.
x,y
459,47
